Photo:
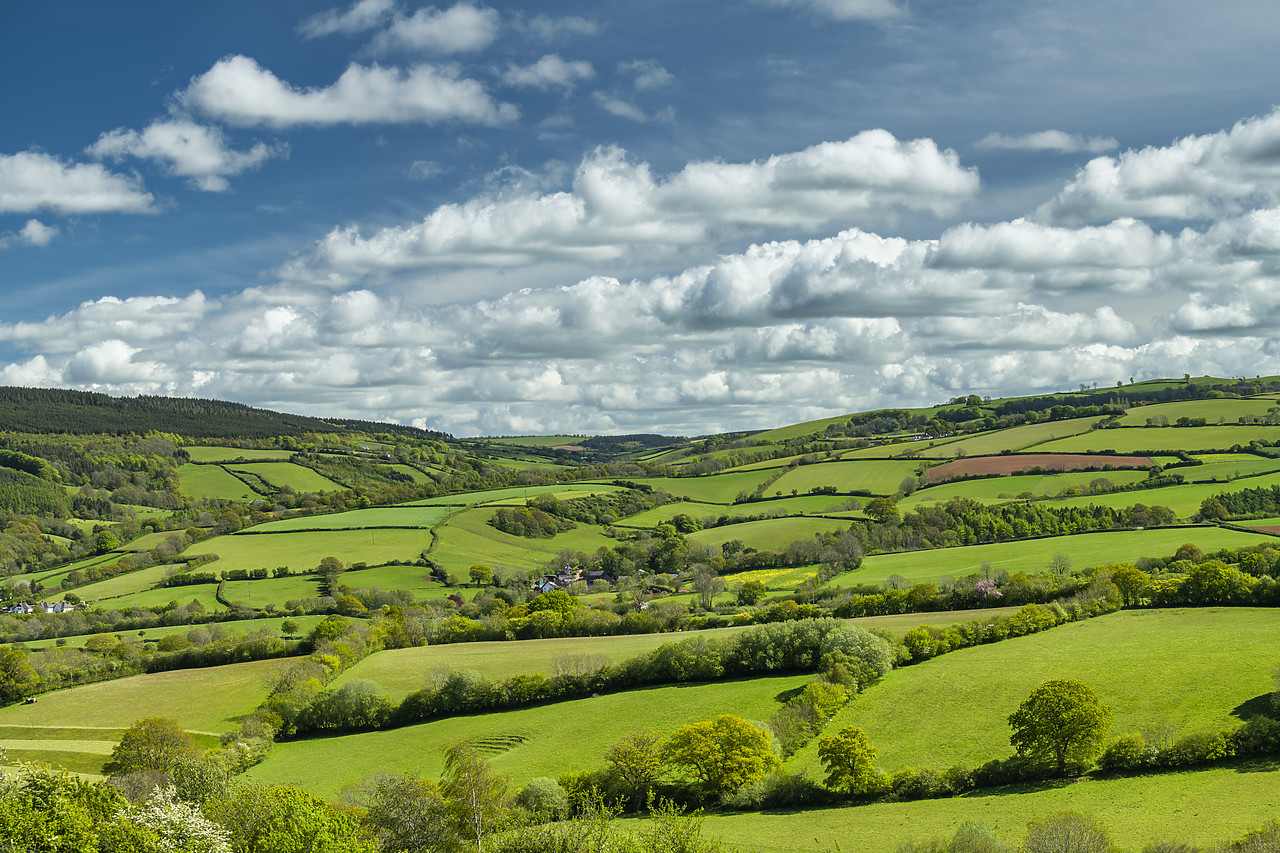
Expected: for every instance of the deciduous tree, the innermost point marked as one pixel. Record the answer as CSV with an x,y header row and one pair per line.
x,y
1061,720
850,761
153,744
636,761
724,754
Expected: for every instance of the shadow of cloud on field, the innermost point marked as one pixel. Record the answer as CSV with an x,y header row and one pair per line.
x,y
1258,706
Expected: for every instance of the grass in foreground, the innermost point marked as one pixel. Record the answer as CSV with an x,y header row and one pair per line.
x,y
1170,671
1202,808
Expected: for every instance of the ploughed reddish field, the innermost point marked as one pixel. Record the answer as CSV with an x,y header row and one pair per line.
x,y
1022,462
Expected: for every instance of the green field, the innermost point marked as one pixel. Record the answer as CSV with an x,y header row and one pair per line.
x,y
1204,808
280,474
1227,466
162,596
880,477
390,516
1213,411
1028,437
416,474
772,534
399,672
124,584
802,505
304,550
720,489
244,626
232,454
416,579
1034,555
517,493
1165,439
995,489
1183,500
203,700
553,738
213,481
467,539
1177,671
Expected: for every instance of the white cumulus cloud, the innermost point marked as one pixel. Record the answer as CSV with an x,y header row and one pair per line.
x,y
33,233
32,181
549,71
238,91
617,205
1195,177
463,28
189,150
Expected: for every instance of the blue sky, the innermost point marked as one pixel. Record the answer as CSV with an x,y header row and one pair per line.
x,y
618,217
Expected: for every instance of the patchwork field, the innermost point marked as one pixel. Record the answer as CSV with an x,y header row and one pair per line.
x,y
768,535
280,474
468,539
1183,500
879,477
1213,411
1005,465
1000,489
304,550
1164,439
391,516
1014,439
214,481
1035,555
518,494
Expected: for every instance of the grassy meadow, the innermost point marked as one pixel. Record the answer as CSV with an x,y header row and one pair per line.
x,y
303,550
1172,672
879,477
1213,411
545,740
1035,555
1163,439
1202,807
214,482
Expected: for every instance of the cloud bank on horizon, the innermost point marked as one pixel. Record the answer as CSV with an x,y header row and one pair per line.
x,y
498,221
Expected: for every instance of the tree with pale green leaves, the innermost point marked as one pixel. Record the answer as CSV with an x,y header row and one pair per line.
x,y
723,754
1061,721
850,762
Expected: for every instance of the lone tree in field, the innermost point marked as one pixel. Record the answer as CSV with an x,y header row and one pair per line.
x,y
724,754
154,744
850,761
1061,720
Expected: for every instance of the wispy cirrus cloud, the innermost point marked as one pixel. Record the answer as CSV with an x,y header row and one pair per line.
x,y
1057,141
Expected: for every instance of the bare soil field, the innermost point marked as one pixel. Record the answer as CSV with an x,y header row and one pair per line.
x,y
1007,464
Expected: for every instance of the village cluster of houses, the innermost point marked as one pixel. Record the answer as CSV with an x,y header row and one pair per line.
x,y
570,575
24,609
